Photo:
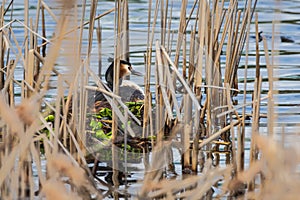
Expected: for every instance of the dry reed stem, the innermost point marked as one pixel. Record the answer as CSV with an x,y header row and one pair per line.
x,y
53,189
99,40
191,187
277,165
2,49
180,31
172,91
26,113
80,26
26,28
150,37
45,6
28,116
196,103
147,100
159,109
154,172
271,117
187,131
162,86
19,148
255,126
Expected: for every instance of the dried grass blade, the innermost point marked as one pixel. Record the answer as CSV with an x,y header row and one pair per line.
x,y
271,117
218,133
160,79
196,103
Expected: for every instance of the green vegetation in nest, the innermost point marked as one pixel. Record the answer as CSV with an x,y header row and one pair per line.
x,y
99,130
100,122
50,119
104,113
136,108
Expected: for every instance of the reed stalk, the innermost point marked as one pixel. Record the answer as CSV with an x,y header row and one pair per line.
x,y
99,40
180,31
117,57
2,80
271,117
160,96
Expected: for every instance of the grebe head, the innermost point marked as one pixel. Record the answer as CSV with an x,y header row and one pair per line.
x,y
125,70
129,91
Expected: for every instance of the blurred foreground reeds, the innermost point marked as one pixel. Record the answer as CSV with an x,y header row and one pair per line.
x,y
52,149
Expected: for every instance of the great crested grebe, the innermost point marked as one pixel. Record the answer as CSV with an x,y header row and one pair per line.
x,y
128,91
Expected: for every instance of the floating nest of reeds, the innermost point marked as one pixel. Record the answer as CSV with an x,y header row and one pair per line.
x,y
99,129
99,132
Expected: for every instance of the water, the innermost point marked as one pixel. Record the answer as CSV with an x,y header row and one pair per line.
x,y
286,61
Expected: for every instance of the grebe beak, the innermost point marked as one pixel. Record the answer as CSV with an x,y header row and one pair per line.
x,y
137,73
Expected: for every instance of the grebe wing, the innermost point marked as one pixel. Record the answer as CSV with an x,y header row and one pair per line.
x,y
130,91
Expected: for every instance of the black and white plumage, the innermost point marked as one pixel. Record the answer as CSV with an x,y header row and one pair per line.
x,y
128,90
